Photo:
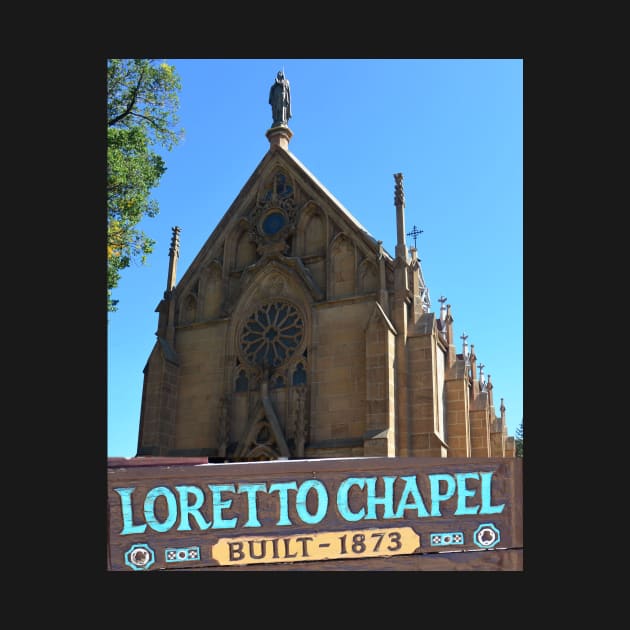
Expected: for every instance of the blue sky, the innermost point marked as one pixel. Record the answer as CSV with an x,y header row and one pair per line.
x,y
452,127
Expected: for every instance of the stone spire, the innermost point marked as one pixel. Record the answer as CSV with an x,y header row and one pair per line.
x,y
489,388
465,353
400,317
399,202
473,371
450,337
167,306
442,300
173,255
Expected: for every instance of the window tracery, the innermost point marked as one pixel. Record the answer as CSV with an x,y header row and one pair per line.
x,y
272,334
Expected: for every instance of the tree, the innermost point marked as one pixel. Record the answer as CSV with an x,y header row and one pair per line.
x,y
142,106
519,440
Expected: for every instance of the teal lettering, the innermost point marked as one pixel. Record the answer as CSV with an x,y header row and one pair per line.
x,y
171,508
463,492
486,495
188,510
436,496
386,501
411,490
127,513
283,490
322,501
218,505
342,499
251,489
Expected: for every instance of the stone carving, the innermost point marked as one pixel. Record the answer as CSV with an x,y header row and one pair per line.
x,y
280,100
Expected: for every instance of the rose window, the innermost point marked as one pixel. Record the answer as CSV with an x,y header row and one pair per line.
x,y
272,334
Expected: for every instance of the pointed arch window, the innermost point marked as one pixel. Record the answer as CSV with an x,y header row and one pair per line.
x,y
242,382
299,376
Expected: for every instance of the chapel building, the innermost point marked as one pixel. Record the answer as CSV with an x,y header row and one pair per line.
x,y
294,334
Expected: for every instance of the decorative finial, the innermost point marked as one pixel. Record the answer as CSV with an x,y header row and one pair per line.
x,y
464,336
441,300
399,195
173,255
174,248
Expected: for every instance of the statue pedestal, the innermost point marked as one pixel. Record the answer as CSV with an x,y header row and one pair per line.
x,y
279,136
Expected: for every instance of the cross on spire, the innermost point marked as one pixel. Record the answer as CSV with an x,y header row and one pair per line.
x,y
414,233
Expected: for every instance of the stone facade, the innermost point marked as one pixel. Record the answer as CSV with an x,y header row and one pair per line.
x,y
294,334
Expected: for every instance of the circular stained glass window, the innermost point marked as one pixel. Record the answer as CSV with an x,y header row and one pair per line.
x,y
272,334
273,223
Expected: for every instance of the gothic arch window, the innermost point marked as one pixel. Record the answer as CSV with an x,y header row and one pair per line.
x,y
343,267
189,310
299,376
271,334
315,235
245,251
279,187
213,290
242,382
368,276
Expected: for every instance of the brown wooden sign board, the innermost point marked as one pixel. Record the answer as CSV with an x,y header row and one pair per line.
x,y
373,513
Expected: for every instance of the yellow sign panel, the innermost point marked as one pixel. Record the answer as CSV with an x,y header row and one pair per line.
x,y
361,543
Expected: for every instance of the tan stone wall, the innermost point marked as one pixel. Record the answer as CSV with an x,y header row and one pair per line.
x,y
510,447
159,401
496,444
421,384
338,408
320,453
479,433
380,394
151,399
458,429
201,352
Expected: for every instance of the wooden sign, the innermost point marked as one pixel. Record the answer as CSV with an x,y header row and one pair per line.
x,y
324,514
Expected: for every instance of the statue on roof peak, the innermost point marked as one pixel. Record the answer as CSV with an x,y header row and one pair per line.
x,y
280,100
